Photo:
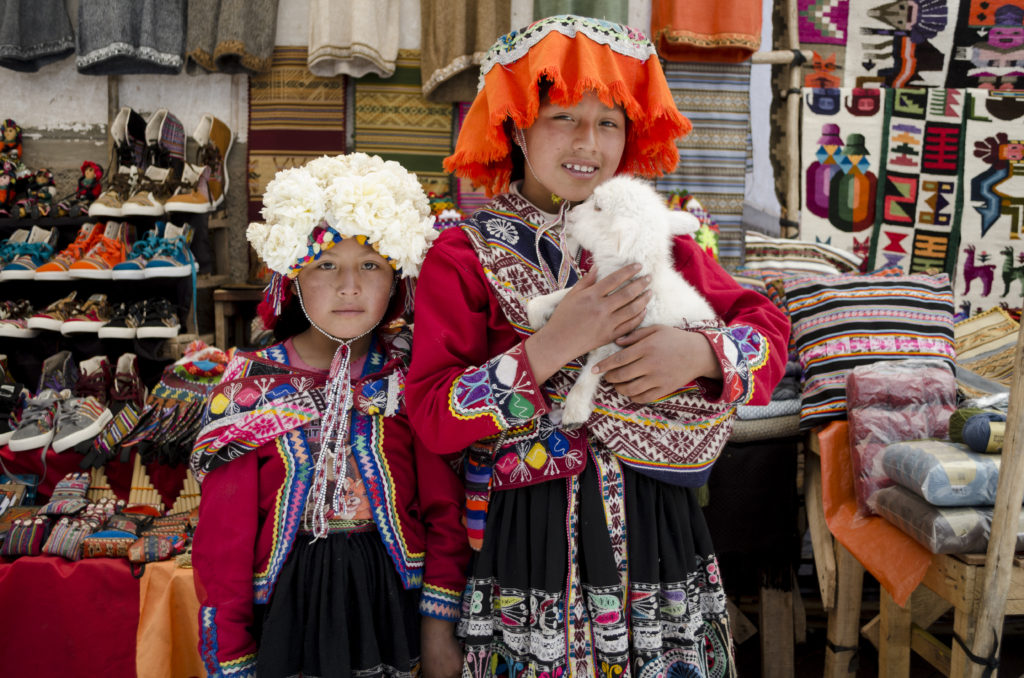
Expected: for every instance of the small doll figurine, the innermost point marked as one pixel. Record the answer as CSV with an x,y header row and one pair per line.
x,y
11,147
39,201
89,188
7,190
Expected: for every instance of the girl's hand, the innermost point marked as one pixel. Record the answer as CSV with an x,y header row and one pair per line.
x,y
657,360
593,313
440,652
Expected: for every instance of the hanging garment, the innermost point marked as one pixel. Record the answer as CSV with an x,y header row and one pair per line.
x,y
358,38
609,10
116,37
34,33
454,37
706,30
230,36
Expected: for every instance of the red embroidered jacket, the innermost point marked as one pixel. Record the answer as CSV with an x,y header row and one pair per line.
x,y
467,356
253,504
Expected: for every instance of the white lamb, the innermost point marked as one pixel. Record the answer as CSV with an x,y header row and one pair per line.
x,y
626,221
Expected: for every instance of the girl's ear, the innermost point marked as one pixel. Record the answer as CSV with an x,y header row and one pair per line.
x,y
682,223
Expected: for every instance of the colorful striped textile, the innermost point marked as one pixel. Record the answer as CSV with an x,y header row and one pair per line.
x,y
840,322
715,157
294,116
394,121
468,198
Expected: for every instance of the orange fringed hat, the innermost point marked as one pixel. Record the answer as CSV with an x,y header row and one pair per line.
x,y
576,55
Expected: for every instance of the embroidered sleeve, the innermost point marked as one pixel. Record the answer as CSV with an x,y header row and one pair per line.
x,y
223,557
502,389
469,378
741,350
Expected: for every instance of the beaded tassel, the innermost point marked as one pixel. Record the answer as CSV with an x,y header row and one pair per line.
x,y
333,441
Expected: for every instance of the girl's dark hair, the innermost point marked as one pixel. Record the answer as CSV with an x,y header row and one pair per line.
x,y
516,153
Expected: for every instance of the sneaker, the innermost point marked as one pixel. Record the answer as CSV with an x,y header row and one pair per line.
x,y
59,373
14,317
88,316
11,396
109,251
31,254
124,320
209,173
129,134
156,186
173,257
160,321
38,417
143,249
54,315
9,247
95,379
78,420
127,387
57,267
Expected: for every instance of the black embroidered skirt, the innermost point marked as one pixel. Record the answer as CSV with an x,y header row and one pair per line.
x,y
339,609
629,580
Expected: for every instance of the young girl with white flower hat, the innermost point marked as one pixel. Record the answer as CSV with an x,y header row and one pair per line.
x,y
311,554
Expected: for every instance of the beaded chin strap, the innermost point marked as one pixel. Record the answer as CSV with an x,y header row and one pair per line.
x,y
568,260
334,426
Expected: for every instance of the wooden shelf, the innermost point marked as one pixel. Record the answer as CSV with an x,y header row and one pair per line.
x,y
206,280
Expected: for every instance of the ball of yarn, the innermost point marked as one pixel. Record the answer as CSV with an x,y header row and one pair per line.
x,y
984,432
957,420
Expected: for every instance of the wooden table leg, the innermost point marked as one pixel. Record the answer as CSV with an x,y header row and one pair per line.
x,y
893,638
821,538
844,618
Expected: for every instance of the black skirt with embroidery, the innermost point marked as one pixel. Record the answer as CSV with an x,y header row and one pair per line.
x,y
517,618
339,609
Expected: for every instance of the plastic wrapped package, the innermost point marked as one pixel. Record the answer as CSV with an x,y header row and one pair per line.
x,y
958,529
943,473
889,402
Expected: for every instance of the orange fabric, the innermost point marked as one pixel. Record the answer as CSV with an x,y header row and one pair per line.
x,y
166,645
574,66
726,31
897,561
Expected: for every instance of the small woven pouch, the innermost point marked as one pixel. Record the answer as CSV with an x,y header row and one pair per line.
x,y
66,538
26,536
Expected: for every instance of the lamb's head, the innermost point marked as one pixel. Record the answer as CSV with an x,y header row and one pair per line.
x,y
623,213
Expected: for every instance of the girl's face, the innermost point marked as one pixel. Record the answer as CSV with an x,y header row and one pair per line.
x,y
347,290
10,134
572,150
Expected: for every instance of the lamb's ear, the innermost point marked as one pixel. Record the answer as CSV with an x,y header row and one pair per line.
x,y
682,223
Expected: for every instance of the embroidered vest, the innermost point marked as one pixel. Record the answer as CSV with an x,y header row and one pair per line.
x,y
676,439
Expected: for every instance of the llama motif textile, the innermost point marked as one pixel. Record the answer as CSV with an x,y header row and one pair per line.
x,y
935,43
990,267
841,158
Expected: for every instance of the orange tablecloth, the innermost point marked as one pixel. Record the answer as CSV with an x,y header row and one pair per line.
x,y
897,561
168,636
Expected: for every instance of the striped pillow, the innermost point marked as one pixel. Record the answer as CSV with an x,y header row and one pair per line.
x,y
842,321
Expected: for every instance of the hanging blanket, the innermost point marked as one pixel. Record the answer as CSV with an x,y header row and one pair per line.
x,y
230,36
34,33
706,30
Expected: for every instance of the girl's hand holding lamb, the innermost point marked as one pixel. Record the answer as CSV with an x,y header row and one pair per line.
x,y
655,360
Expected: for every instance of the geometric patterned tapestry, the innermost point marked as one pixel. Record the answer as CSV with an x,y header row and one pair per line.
x,y
918,179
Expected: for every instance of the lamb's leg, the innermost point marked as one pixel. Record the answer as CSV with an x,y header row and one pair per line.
x,y
579,402
539,309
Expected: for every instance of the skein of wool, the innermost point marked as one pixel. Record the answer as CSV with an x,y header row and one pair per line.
x,y
959,418
985,432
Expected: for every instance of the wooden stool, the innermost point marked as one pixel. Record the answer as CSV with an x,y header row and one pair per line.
x,y
232,301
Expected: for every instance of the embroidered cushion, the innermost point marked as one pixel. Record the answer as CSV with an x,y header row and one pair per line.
x,y
64,506
792,256
840,322
26,536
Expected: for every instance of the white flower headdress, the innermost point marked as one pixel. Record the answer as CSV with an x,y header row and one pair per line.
x,y
349,196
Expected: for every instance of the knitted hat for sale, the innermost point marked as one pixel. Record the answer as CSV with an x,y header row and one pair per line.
x,y
573,55
309,209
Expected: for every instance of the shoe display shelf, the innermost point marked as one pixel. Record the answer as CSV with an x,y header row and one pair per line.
x,y
27,353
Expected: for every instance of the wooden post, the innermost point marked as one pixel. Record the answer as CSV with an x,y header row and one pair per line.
x,y
1002,542
793,119
821,538
894,638
844,618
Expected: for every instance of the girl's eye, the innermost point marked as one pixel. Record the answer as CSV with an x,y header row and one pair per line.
x,y
326,266
370,265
